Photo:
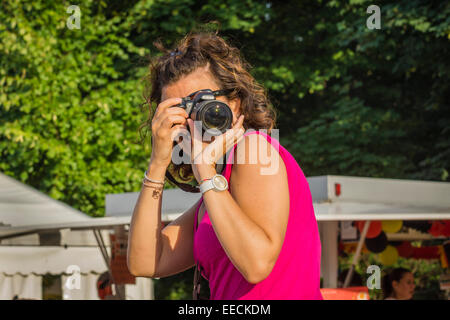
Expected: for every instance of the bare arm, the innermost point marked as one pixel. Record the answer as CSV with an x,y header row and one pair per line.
x,y
154,251
251,221
144,238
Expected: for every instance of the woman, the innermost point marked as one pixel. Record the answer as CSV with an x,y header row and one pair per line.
x,y
257,239
398,285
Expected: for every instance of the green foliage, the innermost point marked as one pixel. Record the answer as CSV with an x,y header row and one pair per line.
x,y
355,101
69,108
69,99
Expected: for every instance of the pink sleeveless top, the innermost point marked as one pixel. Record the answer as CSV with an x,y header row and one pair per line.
x,y
296,274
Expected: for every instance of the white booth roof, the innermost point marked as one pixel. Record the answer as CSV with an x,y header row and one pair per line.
x,y
359,199
340,198
25,211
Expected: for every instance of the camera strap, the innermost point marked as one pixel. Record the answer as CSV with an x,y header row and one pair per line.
x,y
222,92
220,168
183,186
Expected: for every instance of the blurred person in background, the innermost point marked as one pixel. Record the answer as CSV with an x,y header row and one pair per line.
x,y
398,285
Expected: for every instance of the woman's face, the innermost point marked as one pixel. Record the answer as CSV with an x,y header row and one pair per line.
x,y
404,289
195,81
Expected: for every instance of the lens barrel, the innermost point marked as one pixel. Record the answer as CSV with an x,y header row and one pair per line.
x,y
216,116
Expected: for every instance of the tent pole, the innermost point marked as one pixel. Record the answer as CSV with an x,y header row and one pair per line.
x,y
102,247
329,256
357,254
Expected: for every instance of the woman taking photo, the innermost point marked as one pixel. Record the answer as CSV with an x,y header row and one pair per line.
x,y
253,232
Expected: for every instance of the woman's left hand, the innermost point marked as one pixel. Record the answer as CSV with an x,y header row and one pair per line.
x,y
204,155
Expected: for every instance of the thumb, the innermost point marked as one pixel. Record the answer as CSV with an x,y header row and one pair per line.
x,y
194,129
196,139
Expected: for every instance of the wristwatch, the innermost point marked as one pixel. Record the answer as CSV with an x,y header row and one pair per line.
x,y
218,182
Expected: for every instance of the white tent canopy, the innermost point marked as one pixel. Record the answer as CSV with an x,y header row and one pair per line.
x,y
25,210
27,214
21,205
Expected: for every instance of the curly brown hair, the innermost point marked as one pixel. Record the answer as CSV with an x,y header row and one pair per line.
x,y
229,69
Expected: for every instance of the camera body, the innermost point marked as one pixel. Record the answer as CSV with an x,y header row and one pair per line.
x,y
216,116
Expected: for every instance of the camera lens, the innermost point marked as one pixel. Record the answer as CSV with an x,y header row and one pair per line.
x,y
217,115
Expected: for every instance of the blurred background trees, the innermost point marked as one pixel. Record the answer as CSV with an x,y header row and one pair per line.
x,y
351,101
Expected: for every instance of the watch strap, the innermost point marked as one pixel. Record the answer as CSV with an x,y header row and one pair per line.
x,y
207,185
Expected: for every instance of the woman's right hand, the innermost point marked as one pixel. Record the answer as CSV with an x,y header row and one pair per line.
x,y
167,122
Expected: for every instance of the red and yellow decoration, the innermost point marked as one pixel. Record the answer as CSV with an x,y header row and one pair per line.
x,y
374,228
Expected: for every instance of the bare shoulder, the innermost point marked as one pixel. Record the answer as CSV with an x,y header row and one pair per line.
x,y
259,184
254,155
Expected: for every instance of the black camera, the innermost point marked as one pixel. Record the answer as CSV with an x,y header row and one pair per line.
x,y
216,116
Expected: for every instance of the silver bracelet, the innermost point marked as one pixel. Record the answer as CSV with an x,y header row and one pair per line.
x,y
154,181
152,186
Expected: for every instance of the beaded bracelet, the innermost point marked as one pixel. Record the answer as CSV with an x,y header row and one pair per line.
x,y
154,181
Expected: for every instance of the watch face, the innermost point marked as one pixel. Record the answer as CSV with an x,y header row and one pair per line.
x,y
220,182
